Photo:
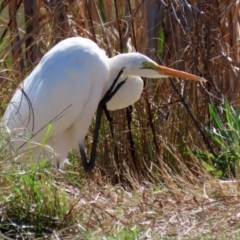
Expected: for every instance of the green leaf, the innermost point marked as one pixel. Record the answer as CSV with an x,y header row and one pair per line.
x,y
208,167
201,155
228,114
222,131
215,117
160,42
48,131
102,10
218,138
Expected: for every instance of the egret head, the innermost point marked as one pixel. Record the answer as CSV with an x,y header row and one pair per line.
x,y
140,65
155,71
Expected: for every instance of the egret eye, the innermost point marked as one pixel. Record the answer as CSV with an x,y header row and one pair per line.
x,y
147,65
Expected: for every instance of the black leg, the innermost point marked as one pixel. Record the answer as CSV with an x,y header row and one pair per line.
x,y
89,165
113,84
108,97
109,118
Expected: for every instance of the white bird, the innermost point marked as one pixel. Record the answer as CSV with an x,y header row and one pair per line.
x,y
63,92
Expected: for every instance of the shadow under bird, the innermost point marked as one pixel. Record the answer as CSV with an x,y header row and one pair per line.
x,y
73,80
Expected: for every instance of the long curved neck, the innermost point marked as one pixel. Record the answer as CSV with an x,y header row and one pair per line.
x,y
116,63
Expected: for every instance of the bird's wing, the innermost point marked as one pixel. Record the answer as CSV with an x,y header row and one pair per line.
x,y
58,89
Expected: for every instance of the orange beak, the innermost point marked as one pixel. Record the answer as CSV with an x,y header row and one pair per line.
x,y
175,73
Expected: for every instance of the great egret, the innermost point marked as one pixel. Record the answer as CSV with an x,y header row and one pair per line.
x,y
65,89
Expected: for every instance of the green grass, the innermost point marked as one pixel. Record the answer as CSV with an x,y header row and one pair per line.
x,y
33,198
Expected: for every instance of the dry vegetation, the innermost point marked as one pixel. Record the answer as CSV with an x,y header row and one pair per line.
x,y
145,185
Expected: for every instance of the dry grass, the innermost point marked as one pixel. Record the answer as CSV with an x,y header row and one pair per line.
x,y
208,211
167,213
34,204
159,213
